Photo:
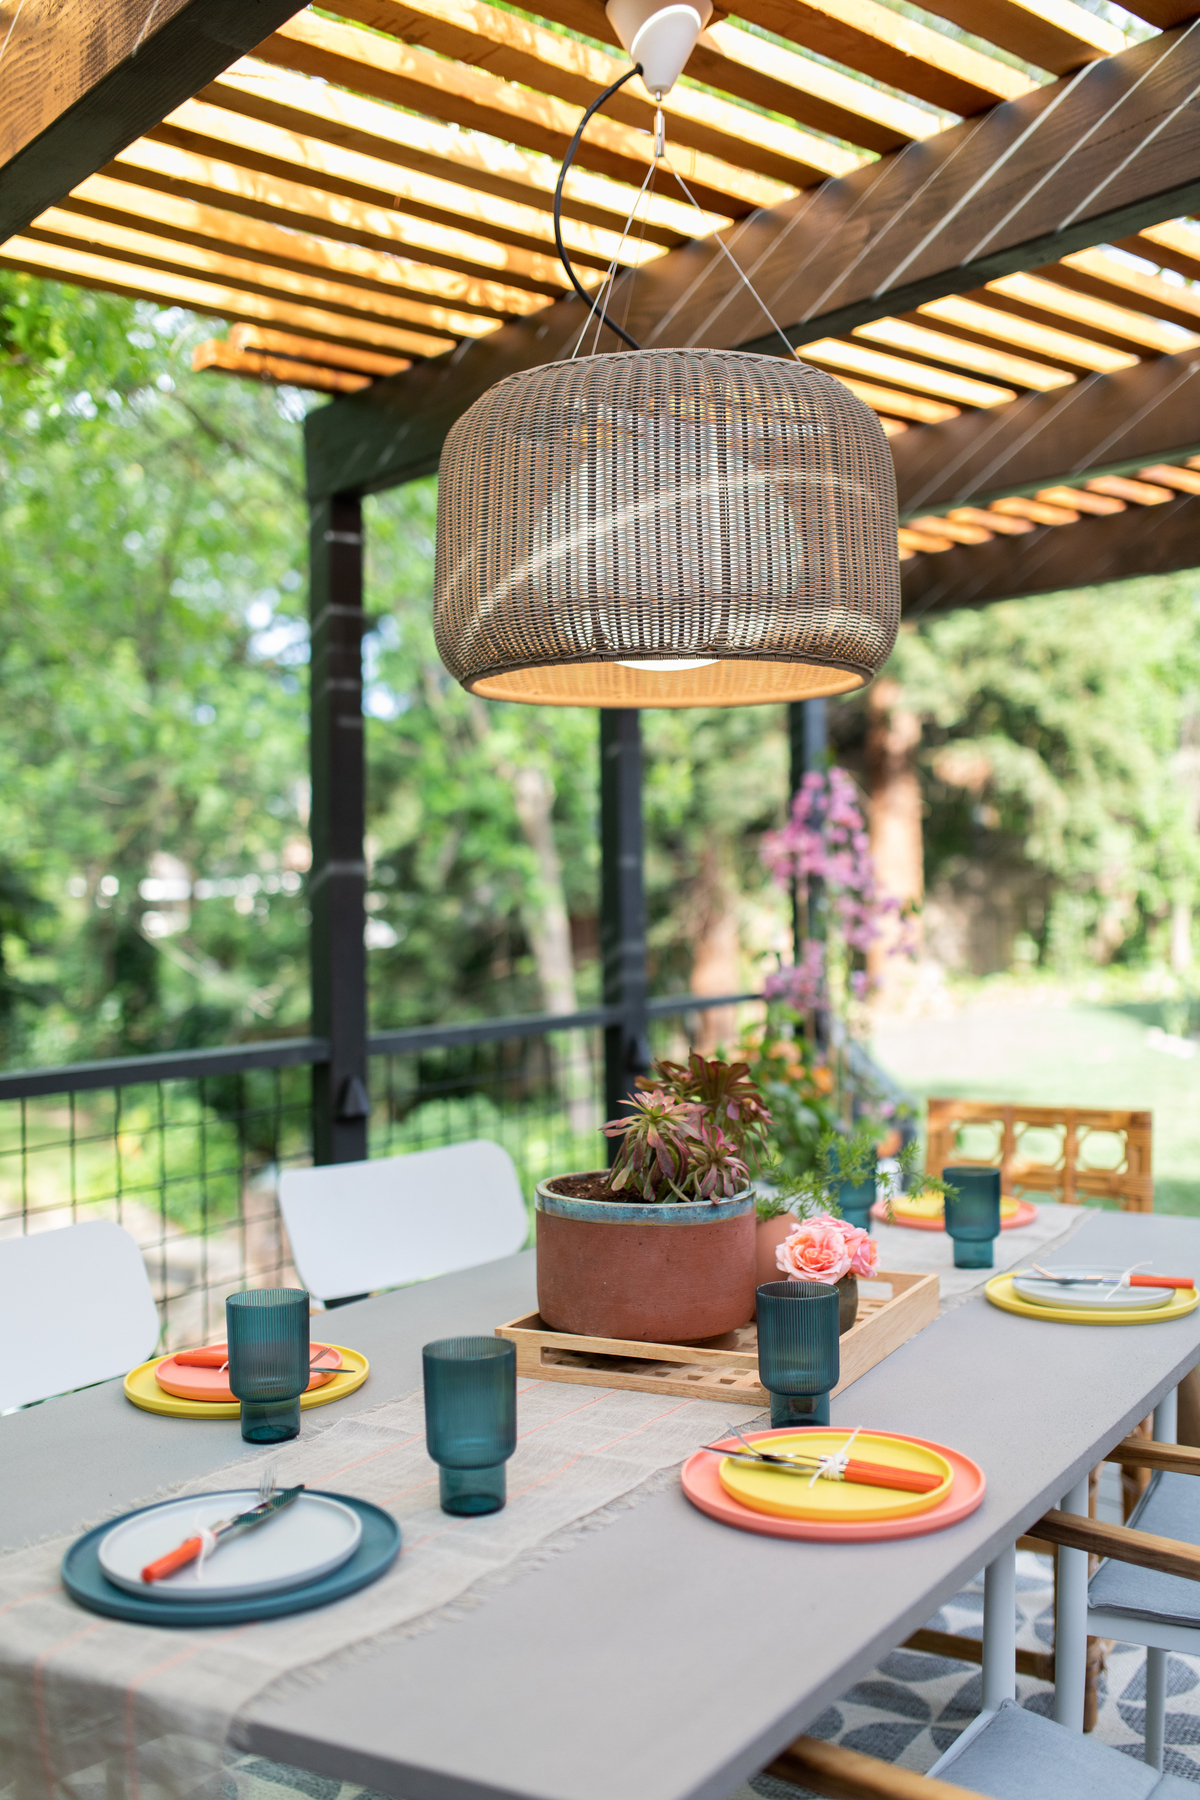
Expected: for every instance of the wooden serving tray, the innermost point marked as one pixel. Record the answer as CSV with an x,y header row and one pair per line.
x,y
727,1368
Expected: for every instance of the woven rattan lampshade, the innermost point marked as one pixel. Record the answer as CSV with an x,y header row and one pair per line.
x,y
734,512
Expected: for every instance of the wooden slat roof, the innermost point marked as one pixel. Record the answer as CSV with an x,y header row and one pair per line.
x,y
373,185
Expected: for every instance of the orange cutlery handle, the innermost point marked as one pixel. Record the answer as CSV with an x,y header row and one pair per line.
x,y
174,1559
213,1356
910,1481
1160,1281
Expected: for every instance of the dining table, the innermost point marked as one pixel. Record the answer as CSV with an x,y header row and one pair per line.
x,y
662,1655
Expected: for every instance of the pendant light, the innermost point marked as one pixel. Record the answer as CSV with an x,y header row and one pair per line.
x,y
676,527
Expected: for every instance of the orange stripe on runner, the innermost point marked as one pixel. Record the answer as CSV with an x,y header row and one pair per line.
x,y
39,1702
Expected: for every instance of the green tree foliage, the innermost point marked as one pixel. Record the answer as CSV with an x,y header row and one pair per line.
x,y
1059,732
152,541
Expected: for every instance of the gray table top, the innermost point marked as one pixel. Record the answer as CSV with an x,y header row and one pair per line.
x,y
664,1657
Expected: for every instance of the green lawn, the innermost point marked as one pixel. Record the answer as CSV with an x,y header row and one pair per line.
x,y
1061,1053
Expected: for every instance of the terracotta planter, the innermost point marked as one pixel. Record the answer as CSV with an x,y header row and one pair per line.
x,y
768,1235
662,1274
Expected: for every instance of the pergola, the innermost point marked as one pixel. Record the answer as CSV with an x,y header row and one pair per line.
x,y
981,235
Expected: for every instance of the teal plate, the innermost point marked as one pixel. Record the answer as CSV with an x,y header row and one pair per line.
x,y
85,1581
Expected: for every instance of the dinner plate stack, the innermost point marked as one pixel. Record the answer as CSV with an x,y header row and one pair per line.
x,y
319,1548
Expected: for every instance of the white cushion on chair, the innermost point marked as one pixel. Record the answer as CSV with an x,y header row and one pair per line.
x,y
360,1226
1169,1508
1013,1754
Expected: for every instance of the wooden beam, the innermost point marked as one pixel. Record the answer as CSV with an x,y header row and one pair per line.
x,y
980,323
816,1767
547,62
280,371
212,228
753,68
81,81
1172,245
72,231
211,299
334,356
296,205
962,353
888,47
205,130
1053,34
1103,425
1094,273
1143,1453
312,108
1142,540
1069,166
856,359
1041,299
403,74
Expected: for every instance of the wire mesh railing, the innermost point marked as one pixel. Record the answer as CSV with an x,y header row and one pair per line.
x,y
185,1150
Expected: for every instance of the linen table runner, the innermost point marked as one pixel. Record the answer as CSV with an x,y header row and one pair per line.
x,y
93,1707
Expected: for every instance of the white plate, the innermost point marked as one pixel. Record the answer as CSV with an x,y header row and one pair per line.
x,y
308,1539
1092,1297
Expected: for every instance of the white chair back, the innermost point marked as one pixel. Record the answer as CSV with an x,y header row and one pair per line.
x,y
357,1227
77,1308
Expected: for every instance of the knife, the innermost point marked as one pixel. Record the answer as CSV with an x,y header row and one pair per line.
x,y
1158,1281
193,1547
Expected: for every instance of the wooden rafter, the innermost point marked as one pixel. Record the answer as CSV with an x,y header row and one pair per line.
x,y
81,81
71,230
1054,172
752,67
84,268
220,182
1142,540
888,47
975,322
520,51
211,228
1000,364
219,354
385,68
1103,277
315,110
210,131
1053,34
333,356
1040,298
1102,425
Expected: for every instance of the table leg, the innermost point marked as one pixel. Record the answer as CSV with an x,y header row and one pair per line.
x,y
1000,1629
1070,1622
1165,1422
1156,1707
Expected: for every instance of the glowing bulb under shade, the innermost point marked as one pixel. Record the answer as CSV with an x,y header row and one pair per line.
x,y
680,664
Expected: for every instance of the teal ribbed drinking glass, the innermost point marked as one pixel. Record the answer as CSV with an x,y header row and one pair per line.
x,y
855,1199
471,1419
973,1215
799,1360
266,1332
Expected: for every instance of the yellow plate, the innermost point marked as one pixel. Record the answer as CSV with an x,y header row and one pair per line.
x,y
931,1206
1000,1292
836,1502
144,1391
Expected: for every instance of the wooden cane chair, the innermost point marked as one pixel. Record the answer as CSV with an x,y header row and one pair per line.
x,y
1014,1754
1085,1153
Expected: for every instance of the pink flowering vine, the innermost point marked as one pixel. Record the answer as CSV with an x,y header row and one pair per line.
x,y
826,839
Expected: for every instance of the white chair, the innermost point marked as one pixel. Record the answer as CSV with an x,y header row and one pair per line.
x,y
77,1309
358,1227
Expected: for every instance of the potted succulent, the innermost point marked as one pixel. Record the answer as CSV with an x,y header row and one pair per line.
x,y
660,1248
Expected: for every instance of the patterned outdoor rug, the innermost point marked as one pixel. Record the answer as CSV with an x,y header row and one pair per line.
x,y
911,1708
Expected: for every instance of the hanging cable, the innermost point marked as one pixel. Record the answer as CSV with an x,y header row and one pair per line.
x,y
592,303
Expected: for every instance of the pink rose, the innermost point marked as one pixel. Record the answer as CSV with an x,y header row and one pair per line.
x,y
815,1251
862,1248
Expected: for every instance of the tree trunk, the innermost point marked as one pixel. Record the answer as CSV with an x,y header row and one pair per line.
x,y
547,924
894,811
715,950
